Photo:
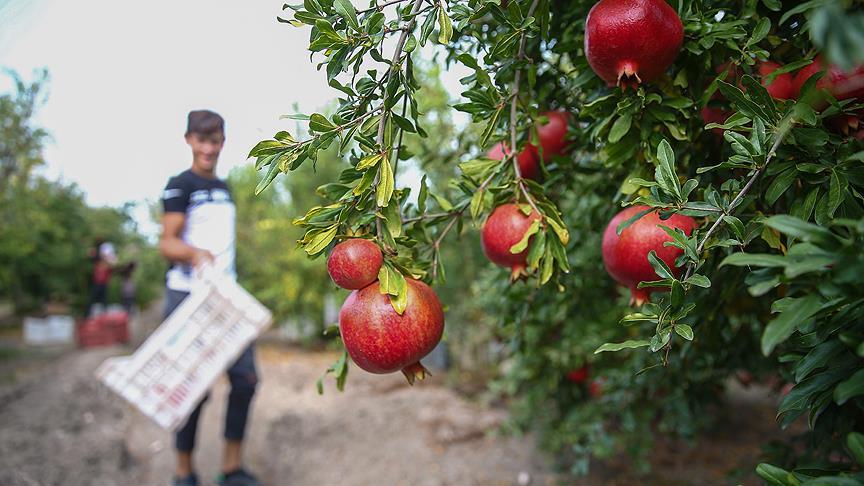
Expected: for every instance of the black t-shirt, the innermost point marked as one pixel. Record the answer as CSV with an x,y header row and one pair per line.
x,y
210,213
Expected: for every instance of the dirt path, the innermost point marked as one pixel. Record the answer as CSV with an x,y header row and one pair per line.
x,y
64,428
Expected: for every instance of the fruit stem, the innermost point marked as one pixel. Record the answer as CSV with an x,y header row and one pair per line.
x,y
415,372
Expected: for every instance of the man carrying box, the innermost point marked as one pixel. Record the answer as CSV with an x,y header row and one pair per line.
x,y
198,228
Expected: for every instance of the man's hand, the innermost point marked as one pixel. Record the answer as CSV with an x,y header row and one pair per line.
x,y
201,257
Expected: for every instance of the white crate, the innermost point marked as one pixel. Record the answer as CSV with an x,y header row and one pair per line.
x,y
171,371
49,330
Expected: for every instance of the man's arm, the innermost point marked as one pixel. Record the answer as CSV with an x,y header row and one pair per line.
x,y
173,247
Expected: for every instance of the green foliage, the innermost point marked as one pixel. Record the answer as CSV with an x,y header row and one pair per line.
x,y
767,283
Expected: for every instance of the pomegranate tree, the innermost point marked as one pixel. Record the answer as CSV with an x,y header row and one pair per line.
x,y
354,264
626,255
628,42
507,226
380,340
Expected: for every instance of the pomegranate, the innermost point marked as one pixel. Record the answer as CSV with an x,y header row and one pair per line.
x,y
595,388
553,134
529,161
848,125
711,114
381,341
842,85
354,264
781,87
628,42
626,256
579,375
505,227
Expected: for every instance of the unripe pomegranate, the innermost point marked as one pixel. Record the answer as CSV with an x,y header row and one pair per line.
x,y
505,227
379,340
553,134
842,85
354,264
781,87
628,42
626,256
528,159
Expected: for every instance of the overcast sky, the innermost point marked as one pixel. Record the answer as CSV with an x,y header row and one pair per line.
x,y
124,75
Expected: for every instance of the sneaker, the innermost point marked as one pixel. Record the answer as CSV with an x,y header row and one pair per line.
x,y
190,480
239,477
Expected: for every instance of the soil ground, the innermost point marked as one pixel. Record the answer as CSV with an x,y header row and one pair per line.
x,y
58,425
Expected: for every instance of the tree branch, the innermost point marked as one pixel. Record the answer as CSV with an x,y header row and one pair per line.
x,y
380,7
691,267
513,102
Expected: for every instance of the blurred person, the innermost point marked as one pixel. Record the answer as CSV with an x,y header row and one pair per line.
x,y
127,287
198,229
103,257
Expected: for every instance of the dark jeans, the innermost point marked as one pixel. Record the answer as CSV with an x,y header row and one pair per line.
x,y
98,295
243,378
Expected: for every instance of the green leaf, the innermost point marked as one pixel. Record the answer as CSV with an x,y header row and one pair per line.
x,y
817,358
855,443
779,185
754,260
792,226
522,245
319,123
421,197
736,225
620,128
759,33
621,227
659,265
850,388
393,218
271,174
684,331
321,240
699,281
346,10
632,344
445,27
665,171
797,312
385,183
775,476
369,161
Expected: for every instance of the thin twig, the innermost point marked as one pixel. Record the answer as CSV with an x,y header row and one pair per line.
x,y
513,102
380,7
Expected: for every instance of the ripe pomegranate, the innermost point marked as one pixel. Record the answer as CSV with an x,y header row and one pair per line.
x,y
505,227
628,42
529,161
579,375
626,256
354,264
553,134
711,114
595,388
381,341
781,87
842,85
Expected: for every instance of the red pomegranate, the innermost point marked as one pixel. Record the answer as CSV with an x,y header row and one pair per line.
x,y
553,134
579,375
529,161
381,341
628,42
781,87
595,388
354,264
626,256
711,114
842,85
505,227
